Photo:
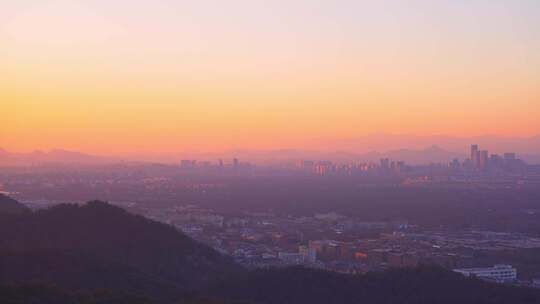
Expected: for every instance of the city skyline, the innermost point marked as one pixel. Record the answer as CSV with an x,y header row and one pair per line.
x,y
476,159
418,149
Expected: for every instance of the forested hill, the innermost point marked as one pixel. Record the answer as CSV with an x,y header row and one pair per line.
x,y
97,245
10,206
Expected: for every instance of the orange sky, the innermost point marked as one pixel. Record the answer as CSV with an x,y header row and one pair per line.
x,y
105,79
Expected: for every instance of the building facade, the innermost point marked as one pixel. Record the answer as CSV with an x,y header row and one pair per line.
x,y
497,273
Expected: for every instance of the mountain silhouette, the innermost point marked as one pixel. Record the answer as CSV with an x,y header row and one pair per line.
x,y
97,245
11,206
57,156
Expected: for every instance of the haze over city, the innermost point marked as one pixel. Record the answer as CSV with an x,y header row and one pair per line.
x,y
269,152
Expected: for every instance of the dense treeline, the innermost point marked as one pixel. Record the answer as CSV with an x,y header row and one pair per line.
x,y
425,284
44,294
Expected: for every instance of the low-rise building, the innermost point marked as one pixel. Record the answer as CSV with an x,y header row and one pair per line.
x,y
497,273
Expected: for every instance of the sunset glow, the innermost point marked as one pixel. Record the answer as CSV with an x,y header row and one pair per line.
x,y
113,77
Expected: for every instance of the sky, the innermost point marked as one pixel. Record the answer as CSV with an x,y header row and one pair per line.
x,y
148,76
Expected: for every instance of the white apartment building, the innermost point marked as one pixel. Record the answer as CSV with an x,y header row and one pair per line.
x,y
497,273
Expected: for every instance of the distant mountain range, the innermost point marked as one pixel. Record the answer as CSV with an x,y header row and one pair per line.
x,y
390,142
432,154
409,148
50,158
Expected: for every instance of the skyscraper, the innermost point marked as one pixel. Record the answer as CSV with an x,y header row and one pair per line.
x,y
483,158
188,163
474,156
509,156
385,163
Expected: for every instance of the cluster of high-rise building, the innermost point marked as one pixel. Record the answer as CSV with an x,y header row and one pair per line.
x,y
392,166
219,167
323,168
320,168
478,161
189,163
481,160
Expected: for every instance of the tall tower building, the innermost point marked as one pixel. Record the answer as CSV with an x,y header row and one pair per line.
x,y
474,156
483,158
509,156
385,163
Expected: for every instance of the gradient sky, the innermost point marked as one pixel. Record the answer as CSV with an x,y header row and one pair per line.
x,y
121,76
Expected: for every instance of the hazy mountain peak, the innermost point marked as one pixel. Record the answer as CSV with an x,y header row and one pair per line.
x,y
56,156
